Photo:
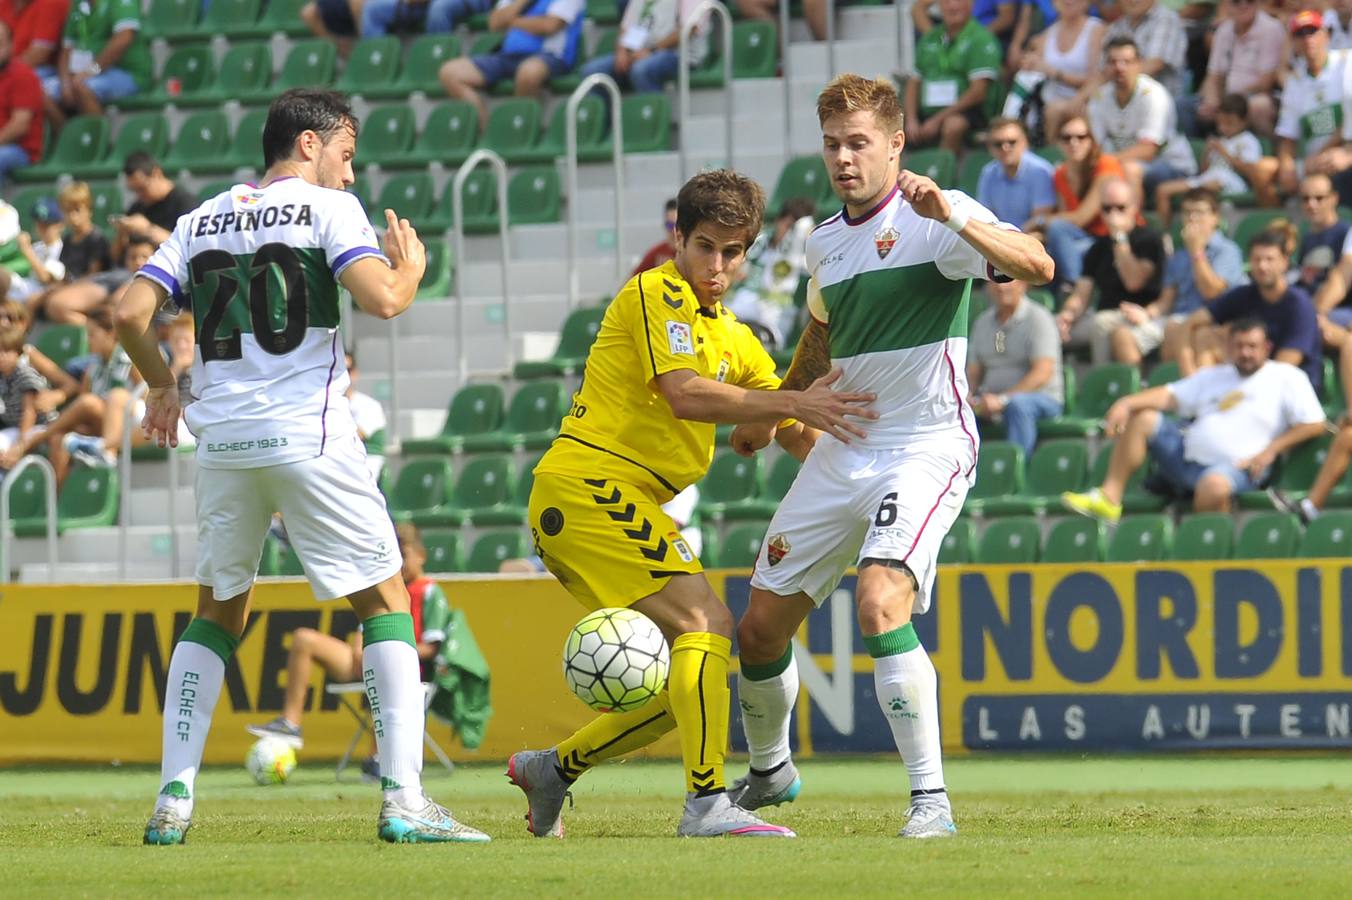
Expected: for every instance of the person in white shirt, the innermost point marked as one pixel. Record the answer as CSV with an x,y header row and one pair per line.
x,y
1133,117
1312,124
370,418
774,265
1240,416
1338,21
42,250
1233,161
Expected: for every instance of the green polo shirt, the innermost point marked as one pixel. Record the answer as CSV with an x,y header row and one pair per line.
x,y
92,23
948,67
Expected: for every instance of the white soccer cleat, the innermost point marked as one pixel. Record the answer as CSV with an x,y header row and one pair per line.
x,y
166,827
430,823
753,791
929,817
716,816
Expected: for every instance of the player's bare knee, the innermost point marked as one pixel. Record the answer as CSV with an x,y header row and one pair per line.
x,y
304,638
759,641
1212,493
884,595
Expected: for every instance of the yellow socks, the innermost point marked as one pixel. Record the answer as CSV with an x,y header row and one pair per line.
x,y
614,734
700,699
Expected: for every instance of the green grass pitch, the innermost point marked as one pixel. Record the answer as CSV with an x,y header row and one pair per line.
x,y
1177,826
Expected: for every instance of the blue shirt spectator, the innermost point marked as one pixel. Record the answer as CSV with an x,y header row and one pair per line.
x,y
1016,184
1225,259
1290,321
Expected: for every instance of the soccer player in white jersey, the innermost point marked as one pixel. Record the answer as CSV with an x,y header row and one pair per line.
x,y
260,268
890,281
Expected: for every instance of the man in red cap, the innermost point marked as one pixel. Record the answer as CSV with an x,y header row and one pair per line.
x,y
1312,128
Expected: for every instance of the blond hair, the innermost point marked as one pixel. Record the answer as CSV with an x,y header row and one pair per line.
x,y
852,93
74,195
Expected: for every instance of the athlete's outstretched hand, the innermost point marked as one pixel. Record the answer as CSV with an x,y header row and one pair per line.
x,y
747,439
161,419
402,245
924,195
827,410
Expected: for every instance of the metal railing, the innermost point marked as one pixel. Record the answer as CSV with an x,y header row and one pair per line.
x,y
786,71
905,37
458,262
617,154
124,478
830,39
683,114
6,487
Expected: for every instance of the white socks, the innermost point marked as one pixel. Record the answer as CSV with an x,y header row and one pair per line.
x,y
908,696
395,693
766,704
196,671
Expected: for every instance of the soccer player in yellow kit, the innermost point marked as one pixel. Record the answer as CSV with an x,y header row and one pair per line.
x,y
668,363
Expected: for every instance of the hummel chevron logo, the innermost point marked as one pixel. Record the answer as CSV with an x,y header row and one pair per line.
x,y
627,516
657,553
639,534
607,501
673,302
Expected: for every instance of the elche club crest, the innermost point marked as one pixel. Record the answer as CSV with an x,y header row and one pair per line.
x,y
776,549
884,240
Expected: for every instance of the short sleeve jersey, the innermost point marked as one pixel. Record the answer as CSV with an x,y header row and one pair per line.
x,y
113,372
92,23
1148,115
23,380
621,425
259,269
947,67
1313,112
893,288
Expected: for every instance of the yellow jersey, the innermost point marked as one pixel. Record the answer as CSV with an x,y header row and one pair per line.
x,y
620,425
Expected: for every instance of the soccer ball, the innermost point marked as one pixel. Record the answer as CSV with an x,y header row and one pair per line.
x,y
615,660
270,761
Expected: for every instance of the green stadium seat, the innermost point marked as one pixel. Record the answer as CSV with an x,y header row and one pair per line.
x,y
198,144
88,499
532,419
436,281
475,409
245,69
1204,536
493,547
231,18
480,198
567,83
732,488
62,343
1163,373
1273,535
24,198
448,136
956,550
1137,498
148,131
84,140
1075,540
386,135
646,120
212,188
108,200
422,486
1101,388
485,482
708,554
999,474
755,50
288,562
936,163
246,146
1057,466
969,174
742,545
514,125
444,554
270,562
28,498
1252,225
591,133
170,19
1009,541
1334,401
575,340
1295,475
485,43
192,67
802,176
409,194
1328,537
279,17
309,64
373,61
603,12
362,191
422,65
513,512
1147,537
534,196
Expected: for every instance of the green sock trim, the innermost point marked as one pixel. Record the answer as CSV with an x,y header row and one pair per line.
x,y
212,636
176,789
892,643
388,627
766,671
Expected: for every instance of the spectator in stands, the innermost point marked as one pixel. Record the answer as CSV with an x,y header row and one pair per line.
x,y
1333,296
1062,64
1204,266
1330,474
996,16
1133,116
1325,234
814,13
646,55
1016,184
1014,364
1244,415
335,20
84,249
956,63
1312,101
1233,161
1246,55
68,304
19,388
541,41
21,110
1286,312
1126,267
158,206
1338,21
774,265
380,17
1079,181
58,386
664,249
103,59
1157,33
370,418
35,28
42,251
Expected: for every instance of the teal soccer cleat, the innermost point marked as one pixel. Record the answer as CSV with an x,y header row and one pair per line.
x,y
754,791
166,827
429,824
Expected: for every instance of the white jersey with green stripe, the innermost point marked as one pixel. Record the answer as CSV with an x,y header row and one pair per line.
x,y
893,287
258,268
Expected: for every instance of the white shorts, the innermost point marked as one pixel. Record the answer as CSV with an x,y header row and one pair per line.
x,y
849,504
335,517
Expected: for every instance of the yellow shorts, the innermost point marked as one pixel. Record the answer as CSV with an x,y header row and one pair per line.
x,y
609,543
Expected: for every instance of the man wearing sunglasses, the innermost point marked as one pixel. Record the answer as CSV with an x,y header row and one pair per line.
x,y
1015,185
1312,127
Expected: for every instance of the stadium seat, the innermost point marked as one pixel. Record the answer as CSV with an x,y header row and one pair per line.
x,y
1254,224
1136,498
485,482
279,17
88,499
448,136
1295,474
646,120
362,191
513,125
62,343
443,552
480,199
956,550
270,562
148,131
1075,540
732,488
422,486
777,483
802,176
246,146
373,61
197,147
475,409
936,163
246,68
493,547
386,135
191,67
513,511
108,200
422,64
591,132
231,18
1334,401
534,196
436,281
567,83
1057,466
212,188
170,19
1009,541
28,498
740,547
969,174
1328,537
409,194
575,340
1142,538
1101,388
82,141
288,562
1273,535
603,12
1204,536
755,50
999,474
309,64
532,419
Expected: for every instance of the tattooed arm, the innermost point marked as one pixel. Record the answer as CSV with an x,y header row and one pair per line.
x,y
812,358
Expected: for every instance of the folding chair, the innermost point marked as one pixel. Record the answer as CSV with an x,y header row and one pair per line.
x,y
362,714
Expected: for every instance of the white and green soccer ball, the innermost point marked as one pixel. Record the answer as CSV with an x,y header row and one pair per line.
x,y
270,761
616,660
